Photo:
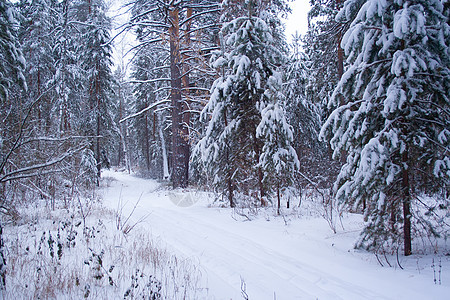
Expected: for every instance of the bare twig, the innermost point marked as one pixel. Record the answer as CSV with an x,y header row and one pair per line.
x,y
244,289
379,261
398,261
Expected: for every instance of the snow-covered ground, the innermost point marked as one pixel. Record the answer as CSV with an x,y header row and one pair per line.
x,y
300,260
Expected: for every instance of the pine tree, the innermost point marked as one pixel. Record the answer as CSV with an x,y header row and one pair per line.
x,y
322,44
11,73
278,158
13,62
325,67
169,26
124,98
97,62
38,21
245,104
394,124
149,92
305,117
68,78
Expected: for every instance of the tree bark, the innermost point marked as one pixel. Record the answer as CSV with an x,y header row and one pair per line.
x,y
121,152
340,51
97,97
180,156
279,200
146,142
2,261
260,174
230,187
406,205
186,115
229,167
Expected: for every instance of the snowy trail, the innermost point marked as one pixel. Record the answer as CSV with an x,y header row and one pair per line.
x,y
300,261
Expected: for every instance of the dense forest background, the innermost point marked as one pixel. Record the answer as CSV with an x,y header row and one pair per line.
x,y
357,110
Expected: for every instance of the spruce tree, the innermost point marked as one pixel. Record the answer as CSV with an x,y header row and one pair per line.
x,y
39,19
68,78
242,140
97,61
304,115
13,62
392,118
11,74
170,27
278,158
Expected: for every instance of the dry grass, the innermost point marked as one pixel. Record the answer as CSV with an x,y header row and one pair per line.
x,y
56,257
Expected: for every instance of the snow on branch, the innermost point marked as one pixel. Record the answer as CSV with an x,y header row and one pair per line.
x,y
137,17
64,139
149,80
17,143
203,5
199,14
144,110
23,172
197,29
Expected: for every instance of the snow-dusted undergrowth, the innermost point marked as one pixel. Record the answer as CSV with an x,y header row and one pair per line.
x,y
295,255
57,254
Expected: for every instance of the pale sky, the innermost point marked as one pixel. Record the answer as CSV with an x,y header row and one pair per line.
x,y
298,20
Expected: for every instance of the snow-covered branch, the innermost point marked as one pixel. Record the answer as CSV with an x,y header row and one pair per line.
x,y
149,80
199,14
23,172
144,110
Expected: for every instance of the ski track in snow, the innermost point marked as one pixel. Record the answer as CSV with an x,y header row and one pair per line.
x,y
274,260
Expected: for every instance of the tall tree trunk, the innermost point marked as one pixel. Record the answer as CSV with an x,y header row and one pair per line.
x,y
65,115
96,95
186,115
406,204
406,188
229,167
99,159
166,173
122,150
340,51
279,199
127,149
260,174
2,261
146,142
229,180
180,157
340,70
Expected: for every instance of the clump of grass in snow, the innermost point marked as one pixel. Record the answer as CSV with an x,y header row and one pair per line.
x,y
59,256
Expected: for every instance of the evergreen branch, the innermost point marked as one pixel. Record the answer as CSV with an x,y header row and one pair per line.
x,y
432,121
438,144
442,109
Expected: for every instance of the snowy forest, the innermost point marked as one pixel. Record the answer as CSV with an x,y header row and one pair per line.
x,y
212,103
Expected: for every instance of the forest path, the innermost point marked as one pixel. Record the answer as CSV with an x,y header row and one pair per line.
x,y
301,260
